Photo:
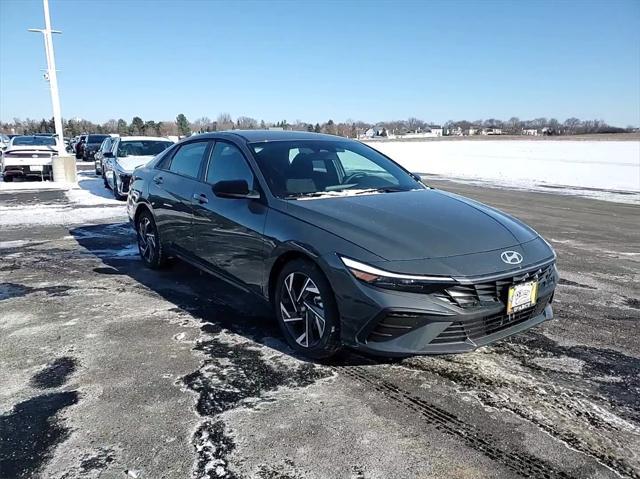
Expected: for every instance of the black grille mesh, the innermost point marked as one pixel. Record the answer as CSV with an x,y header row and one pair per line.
x,y
473,295
459,331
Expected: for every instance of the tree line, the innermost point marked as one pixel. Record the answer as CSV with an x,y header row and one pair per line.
x,y
183,127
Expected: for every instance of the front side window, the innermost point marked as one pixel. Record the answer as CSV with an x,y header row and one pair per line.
x,y
188,158
227,163
328,168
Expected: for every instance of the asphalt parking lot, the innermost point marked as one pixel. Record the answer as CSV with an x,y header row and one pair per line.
x,y
108,369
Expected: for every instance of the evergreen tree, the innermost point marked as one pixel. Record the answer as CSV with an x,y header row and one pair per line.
x,y
122,128
184,129
137,126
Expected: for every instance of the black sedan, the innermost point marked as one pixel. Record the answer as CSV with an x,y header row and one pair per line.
x,y
348,247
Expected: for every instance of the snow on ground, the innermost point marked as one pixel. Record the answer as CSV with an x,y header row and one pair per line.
x,y
89,202
604,169
91,191
32,185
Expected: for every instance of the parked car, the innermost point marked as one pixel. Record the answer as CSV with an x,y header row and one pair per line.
x,y
79,146
99,155
91,145
126,154
29,156
349,248
4,141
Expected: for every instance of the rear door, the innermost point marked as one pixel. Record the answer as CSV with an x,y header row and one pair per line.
x,y
171,192
228,232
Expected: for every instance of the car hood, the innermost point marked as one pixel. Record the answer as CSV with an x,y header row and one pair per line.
x,y
130,163
418,224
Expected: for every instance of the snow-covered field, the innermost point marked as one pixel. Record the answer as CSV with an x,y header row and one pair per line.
x,y
592,168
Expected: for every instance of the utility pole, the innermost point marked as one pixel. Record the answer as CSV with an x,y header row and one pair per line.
x,y
52,75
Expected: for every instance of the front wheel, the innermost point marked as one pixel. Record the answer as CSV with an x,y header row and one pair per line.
x,y
149,244
306,310
116,189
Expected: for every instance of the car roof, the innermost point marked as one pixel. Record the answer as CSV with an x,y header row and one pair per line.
x,y
139,138
254,136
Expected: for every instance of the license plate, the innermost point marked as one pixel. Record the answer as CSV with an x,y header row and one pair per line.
x,y
35,167
522,296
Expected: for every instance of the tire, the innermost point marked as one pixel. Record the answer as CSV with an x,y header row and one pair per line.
x,y
306,310
116,193
8,179
98,172
149,244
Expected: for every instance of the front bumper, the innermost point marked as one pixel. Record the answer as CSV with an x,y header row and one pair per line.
x,y
458,318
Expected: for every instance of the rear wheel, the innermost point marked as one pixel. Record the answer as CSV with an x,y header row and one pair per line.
x,y
149,244
8,179
306,310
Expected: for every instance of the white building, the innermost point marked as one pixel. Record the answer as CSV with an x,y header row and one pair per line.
x,y
492,131
530,132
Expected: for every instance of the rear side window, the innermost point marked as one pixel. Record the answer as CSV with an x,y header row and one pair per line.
x,y
227,163
188,159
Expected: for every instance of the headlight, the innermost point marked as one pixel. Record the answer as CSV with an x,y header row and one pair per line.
x,y
388,280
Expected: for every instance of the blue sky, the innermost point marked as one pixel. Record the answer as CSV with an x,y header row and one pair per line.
x,y
315,60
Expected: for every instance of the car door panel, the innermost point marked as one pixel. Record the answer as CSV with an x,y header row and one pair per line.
x,y
228,232
170,196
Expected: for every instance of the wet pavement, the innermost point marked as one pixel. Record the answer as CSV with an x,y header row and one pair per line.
x,y
108,369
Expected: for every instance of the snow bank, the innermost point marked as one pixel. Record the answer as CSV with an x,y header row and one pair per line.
x,y
91,191
89,202
31,185
608,166
16,216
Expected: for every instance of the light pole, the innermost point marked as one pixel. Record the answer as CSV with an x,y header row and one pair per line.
x,y
52,76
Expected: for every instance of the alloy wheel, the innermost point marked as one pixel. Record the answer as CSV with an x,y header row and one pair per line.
x,y
302,309
146,239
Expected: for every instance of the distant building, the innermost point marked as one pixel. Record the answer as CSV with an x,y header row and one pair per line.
x,y
454,131
530,132
473,131
375,132
492,131
436,130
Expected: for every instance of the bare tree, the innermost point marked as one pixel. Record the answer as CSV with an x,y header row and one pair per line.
x,y
224,122
247,123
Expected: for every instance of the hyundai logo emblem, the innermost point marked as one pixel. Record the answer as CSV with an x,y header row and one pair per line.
x,y
511,257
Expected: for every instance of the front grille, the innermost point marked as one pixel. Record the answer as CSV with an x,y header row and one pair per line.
x,y
395,324
473,295
460,331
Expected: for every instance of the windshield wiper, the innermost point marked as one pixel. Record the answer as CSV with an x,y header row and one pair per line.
x,y
386,189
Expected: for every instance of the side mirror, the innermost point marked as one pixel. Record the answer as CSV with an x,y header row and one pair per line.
x,y
107,154
416,176
234,189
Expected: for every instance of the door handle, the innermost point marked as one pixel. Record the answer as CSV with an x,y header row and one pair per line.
x,y
158,180
201,198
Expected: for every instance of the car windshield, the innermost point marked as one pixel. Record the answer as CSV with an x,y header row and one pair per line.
x,y
33,141
96,138
318,168
142,147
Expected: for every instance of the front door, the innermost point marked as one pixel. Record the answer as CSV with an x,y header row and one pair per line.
x,y
171,193
228,232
